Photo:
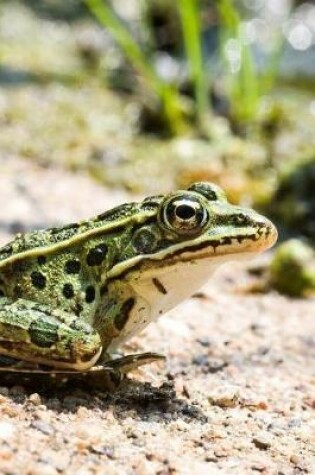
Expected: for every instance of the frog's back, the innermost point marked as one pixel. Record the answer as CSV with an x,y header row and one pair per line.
x,y
52,239
67,266
36,242
23,244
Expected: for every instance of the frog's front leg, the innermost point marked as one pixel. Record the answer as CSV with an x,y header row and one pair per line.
x,y
35,333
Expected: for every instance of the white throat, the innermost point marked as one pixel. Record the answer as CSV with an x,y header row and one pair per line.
x,y
158,290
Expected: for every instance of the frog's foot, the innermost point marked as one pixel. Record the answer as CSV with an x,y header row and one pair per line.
x,y
125,364
106,377
112,372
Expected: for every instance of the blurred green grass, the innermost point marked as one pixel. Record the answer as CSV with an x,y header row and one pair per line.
x,y
243,88
59,104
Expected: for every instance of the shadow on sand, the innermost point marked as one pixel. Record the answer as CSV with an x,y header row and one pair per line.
x,y
68,396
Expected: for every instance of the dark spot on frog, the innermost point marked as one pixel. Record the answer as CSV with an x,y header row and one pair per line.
x,y
38,280
206,190
122,317
78,308
38,307
90,294
80,326
226,240
120,212
103,290
160,287
64,233
70,226
41,260
43,332
18,291
96,255
7,251
68,291
151,202
72,266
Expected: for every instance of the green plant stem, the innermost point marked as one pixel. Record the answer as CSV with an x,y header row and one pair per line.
x,y
167,94
270,75
244,84
190,19
248,84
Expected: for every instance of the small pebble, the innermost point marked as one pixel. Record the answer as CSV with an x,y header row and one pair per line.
x,y
259,467
205,342
35,399
10,410
54,404
73,402
3,399
43,427
225,396
216,364
17,391
298,462
262,441
223,450
4,391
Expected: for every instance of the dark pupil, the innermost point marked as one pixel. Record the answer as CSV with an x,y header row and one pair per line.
x,y
185,212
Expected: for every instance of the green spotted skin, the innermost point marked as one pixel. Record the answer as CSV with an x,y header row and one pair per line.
x,y
69,296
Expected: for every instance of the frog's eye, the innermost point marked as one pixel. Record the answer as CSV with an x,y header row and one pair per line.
x,y
185,215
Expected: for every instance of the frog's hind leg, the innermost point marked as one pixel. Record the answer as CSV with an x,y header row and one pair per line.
x,y
8,363
34,333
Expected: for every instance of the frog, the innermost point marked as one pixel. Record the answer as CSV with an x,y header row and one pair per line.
x,y
70,296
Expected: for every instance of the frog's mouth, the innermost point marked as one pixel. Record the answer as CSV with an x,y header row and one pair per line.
x,y
237,246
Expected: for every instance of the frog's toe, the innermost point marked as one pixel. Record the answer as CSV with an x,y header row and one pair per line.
x,y
128,363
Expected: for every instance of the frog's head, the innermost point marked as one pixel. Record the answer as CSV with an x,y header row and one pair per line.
x,y
179,240
203,223
187,226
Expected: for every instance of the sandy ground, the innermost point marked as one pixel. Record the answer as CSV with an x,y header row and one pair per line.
x,y
236,395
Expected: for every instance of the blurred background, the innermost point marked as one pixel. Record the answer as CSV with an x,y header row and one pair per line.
x,y
151,95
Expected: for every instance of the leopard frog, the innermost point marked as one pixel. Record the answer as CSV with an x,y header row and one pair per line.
x,y
70,296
